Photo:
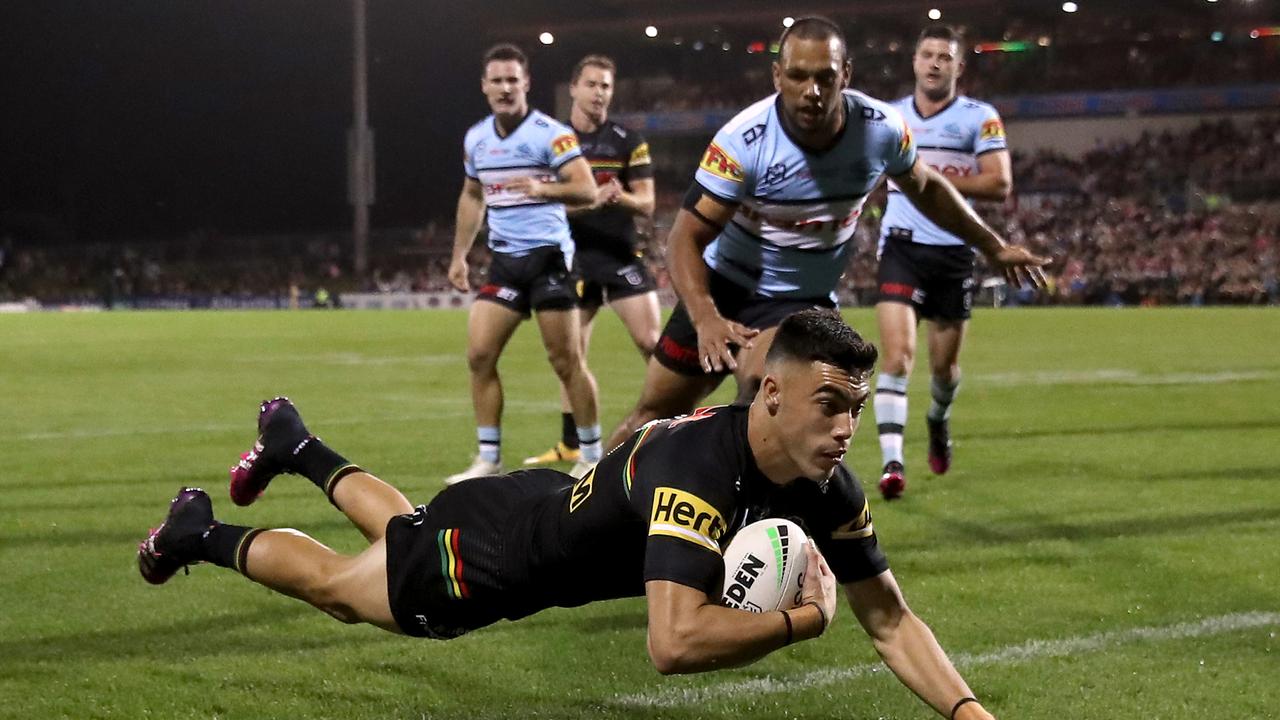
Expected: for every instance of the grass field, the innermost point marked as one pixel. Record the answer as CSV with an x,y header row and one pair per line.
x,y
1106,546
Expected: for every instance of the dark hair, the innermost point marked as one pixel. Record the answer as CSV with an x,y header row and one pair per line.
x,y
601,61
942,32
506,51
822,335
814,27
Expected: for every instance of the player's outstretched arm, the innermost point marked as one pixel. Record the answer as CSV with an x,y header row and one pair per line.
x,y
939,200
909,648
696,225
689,633
467,223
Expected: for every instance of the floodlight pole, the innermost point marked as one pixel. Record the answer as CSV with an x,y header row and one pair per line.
x,y
360,142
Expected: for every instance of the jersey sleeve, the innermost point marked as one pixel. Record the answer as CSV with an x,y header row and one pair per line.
x,y
722,172
468,164
639,165
845,533
563,146
901,149
991,136
687,514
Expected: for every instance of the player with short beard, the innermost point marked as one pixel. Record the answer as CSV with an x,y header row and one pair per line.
x,y
650,520
926,271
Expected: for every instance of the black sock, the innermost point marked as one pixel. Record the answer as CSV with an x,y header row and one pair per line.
x,y
322,466
227,545
568,431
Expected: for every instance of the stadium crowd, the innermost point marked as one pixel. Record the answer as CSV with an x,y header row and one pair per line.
x,y
1167,219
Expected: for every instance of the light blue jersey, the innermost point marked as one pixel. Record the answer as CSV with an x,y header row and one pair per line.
x,y
796,208
538,148
950,141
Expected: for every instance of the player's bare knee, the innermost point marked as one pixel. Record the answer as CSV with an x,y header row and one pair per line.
x,y
482,361
564,364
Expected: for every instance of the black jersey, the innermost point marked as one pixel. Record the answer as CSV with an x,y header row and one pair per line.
x,y
614,152
658,507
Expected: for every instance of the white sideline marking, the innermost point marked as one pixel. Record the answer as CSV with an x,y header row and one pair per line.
x,y
1119,376
1010,655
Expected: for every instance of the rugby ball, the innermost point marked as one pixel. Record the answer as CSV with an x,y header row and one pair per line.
x,y
764,566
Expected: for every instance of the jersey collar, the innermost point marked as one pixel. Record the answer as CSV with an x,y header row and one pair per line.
x,y
835,140
498,131
916,108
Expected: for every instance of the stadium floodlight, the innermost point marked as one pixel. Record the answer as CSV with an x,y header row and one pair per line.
x,y
546,38
651,31
1069,7
1216,36
935,14
788,21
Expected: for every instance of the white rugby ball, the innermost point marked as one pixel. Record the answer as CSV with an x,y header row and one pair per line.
x,y
764,566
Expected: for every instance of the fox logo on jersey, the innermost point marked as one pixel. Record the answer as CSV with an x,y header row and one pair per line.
x,y
719,163
564,144
992,129
681,514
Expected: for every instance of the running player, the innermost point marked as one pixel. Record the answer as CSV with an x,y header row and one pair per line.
x,y
765,226
608,260
651,519
926,271
522,166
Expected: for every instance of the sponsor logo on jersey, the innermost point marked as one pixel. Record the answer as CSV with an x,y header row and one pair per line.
x,y
872,114
753,133
721,164
905,146
992,129
681,514
859,527
564,144
640,156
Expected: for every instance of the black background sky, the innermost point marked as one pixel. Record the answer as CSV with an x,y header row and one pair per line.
x,y
128,118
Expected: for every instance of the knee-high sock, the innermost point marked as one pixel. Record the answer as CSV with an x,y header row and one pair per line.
x,y
943,395
891,415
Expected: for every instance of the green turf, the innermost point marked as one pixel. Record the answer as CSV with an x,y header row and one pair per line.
x,y
1114,470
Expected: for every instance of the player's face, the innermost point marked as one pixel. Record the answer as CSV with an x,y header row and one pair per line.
x,y
937,66
809,76
593,92
505,85
819,407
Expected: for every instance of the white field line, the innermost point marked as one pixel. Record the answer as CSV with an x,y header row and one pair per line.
x,y
460,409
1010,655
1117,376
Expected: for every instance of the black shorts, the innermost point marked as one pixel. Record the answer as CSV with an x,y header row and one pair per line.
x,y
538,280
607,277
937,280
677,347
448,562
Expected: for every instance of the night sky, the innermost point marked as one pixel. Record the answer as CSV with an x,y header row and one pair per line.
x,y
147,119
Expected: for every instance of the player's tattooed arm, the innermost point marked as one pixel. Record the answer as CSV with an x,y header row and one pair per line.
x,y
467,223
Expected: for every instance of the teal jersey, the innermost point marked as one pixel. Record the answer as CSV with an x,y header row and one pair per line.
x,y
538,148
796,208
950,141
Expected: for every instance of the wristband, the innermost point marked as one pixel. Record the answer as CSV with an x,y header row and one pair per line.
x,y
790,630
821,613
956,708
